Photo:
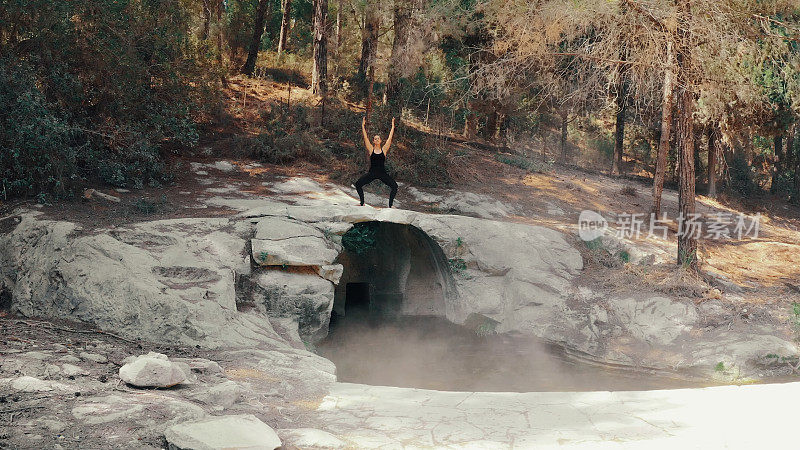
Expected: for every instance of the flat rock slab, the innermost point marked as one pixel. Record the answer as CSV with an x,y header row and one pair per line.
x,y
311,438
740,417
223,432
29,384
295,251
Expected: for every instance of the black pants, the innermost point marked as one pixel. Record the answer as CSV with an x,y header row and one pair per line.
x,y
369,177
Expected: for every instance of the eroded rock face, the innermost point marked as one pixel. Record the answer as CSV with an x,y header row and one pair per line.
x,y
168,280
307,298
655,320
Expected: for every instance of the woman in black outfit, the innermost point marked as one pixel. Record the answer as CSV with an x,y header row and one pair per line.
x,y
377,164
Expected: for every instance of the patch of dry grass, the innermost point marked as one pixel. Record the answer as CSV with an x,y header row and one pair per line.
x,y
244,373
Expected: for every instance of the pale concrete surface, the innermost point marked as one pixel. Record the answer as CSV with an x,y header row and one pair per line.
x,y
737,417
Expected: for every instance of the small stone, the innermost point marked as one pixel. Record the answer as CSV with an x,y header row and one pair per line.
x,y
224,432
54,426
70,370
331,272
70,359
221,396
100,359
41,356
200,365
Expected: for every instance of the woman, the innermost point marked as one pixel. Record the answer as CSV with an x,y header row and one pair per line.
x,y
377,163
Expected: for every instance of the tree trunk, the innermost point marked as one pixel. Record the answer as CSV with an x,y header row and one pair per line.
x,y
796,173
687,242
370,87
777,168
255,42
470,126
220,40
789,155
564,123
337,36
369,40
404,26
319,73
666,129
619,132
206,19
285,24
491,124
713,155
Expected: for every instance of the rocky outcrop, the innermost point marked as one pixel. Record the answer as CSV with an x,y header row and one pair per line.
x,y
224,282
168,280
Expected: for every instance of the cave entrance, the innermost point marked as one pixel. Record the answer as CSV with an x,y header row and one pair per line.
x,y
357,298
391,270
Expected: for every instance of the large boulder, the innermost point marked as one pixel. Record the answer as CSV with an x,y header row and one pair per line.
x,y
224,432
284,242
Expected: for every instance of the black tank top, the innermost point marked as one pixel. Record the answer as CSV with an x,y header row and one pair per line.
x,y
377,162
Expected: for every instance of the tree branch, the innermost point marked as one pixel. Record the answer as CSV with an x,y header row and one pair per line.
x,y
648,15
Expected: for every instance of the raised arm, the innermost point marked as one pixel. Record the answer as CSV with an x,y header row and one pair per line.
x,y
389,139
367,143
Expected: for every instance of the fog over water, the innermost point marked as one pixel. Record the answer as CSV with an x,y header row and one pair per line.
x,y
432,353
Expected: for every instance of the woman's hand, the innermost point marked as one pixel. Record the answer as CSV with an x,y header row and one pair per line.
x,y
392,122
363,121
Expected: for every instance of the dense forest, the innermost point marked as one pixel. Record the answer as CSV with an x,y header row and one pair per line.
x,y
700,94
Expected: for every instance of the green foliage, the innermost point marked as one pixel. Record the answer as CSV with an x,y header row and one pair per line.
x,y
720,367
361,238
604,145
457,265
94,91
741,176
148,206
796,315
624,256
594,244
486,329
687,259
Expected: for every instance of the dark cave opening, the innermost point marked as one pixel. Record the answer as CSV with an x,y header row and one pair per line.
x,y
392,270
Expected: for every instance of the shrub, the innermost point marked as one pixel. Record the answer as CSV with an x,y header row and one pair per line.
x,y
741,176
94,90
361,238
